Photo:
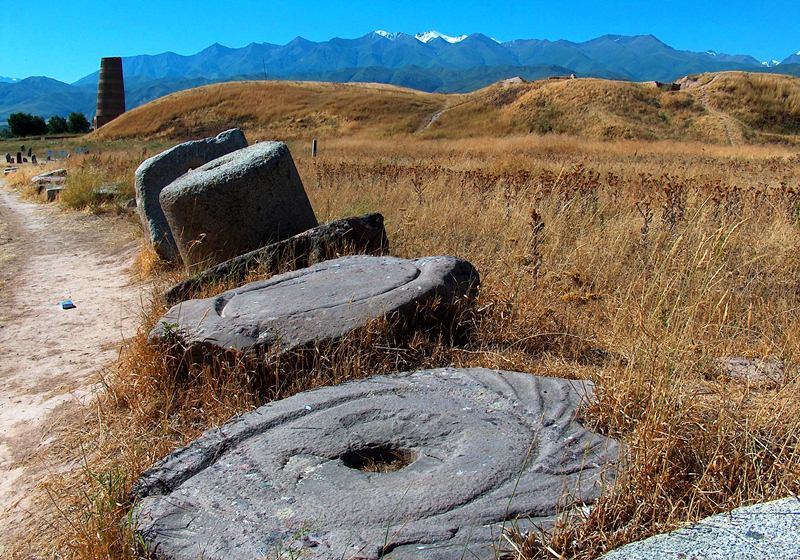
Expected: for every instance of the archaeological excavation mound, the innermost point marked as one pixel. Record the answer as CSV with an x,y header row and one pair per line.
x,y
425,465
320,303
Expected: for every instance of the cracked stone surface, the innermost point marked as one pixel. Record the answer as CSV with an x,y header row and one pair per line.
x,y
473,448
319,303
766,531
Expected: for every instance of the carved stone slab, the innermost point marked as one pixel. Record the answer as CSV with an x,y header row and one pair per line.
x,y
358,235
424,465
319,303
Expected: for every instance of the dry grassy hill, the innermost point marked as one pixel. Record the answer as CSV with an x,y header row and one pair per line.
x,y
728,108
278,109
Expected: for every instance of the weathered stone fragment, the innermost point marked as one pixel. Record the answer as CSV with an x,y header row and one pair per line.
x,y
56,175
430,465
753,370
53,192
159,171
50,180
766,531
236,204
320,303
362,235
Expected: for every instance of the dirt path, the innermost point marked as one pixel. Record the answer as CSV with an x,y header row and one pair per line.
x,y
50,359
433,118
733,130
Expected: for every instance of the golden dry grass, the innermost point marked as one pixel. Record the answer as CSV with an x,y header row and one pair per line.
x,y
762,102
277,109
633,264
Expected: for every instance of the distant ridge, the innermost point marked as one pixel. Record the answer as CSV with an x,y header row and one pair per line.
x,y
429,61
636,58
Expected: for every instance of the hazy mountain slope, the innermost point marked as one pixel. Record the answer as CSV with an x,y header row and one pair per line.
x,y
644,57
435,80
637,58
45,97
561,53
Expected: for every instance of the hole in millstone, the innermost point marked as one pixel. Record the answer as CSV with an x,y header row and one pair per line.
x,y
381,459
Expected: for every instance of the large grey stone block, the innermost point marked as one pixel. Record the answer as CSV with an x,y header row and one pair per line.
x,y
320,303
769,531
430,465
349,236
159,171
235,204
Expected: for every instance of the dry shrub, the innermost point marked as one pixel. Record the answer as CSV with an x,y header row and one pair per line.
x,y
88,174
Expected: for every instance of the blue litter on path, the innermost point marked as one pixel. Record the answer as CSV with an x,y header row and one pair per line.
x,y
67,304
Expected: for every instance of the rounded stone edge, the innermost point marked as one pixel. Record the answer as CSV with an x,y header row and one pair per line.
x,y
445,278
169,473
236,162
692,541
148,204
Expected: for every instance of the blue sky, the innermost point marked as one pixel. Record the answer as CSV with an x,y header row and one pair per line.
x,y
65,40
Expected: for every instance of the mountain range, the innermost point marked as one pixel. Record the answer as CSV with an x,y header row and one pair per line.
x,y
429,61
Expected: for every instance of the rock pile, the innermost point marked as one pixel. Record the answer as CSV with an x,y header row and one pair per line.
x,y
425,465
51,182
428,465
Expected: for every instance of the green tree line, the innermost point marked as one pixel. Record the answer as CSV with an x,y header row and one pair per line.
x,y
25,124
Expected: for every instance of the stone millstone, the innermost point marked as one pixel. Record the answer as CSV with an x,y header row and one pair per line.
x,y
425,465
761,532
316,304
361,235
236,204
159,171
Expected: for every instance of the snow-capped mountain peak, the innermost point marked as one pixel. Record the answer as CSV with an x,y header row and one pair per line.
x,y
770,63
431,35
386,34
712,53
